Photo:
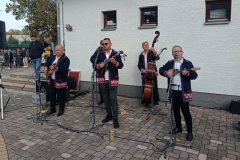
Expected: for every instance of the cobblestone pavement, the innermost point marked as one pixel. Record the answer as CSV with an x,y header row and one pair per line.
x,y
216,133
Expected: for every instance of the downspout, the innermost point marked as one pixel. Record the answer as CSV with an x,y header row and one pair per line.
x,y
58,22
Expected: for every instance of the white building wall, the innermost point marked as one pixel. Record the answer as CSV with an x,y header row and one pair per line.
x,y
214,48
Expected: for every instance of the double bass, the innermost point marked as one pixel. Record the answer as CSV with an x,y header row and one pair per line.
x,y
150,73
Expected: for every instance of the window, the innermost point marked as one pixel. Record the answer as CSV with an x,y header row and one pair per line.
x,y
110,19
149,16
218,11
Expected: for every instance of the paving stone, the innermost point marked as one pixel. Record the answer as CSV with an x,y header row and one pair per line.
x,y
202,156
192,151
217,142
142,147
66,155
111,148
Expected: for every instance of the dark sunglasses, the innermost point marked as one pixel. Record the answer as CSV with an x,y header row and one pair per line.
x,y
104,44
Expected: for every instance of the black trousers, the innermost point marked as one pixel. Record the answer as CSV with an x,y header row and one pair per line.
x,y
53,94
177,104
110,99
100,92
155,88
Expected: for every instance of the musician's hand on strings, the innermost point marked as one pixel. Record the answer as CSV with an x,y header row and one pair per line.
x,y
169,73
52,67
153,50
185,72
101,65
113,60
45,70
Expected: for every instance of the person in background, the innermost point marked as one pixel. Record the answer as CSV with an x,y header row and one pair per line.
x,y
14,57
36,50
11,58
25,58
18,59
7,58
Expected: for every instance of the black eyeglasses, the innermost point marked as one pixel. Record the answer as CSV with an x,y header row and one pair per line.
x,y
104,44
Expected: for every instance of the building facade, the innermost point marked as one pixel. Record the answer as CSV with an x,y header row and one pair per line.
x,y
208,32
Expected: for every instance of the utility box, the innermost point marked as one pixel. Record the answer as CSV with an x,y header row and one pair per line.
x,y
36,100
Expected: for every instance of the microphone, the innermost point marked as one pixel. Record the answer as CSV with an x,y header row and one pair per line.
x,y
176,55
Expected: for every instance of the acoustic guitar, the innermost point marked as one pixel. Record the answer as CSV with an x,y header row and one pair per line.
x,y
107,61
49,71
175,71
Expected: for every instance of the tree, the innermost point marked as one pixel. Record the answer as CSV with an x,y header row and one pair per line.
x,y
12,40
25,40
41,16
13,32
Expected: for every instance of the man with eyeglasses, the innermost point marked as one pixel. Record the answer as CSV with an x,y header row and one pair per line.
x,y
181,88
109,80
143,60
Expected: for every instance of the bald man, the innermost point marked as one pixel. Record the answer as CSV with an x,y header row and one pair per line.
x,y
59,64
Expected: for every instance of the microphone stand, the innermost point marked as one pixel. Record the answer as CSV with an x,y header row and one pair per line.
x,y
1,92
172,141
42,114
94,126
152,110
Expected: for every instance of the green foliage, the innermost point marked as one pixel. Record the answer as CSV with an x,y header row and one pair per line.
x,y
16,32
13,40
41,16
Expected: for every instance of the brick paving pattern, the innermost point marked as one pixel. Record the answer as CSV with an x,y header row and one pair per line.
x,y
216,133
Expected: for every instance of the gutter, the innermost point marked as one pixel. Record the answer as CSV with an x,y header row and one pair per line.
x,y
58,23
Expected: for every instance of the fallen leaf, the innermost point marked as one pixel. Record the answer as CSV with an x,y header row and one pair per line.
x,y
33,132
49,149
144,119
16,117
178,140
153,140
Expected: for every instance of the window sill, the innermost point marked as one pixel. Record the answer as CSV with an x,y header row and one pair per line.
x,y
108,29
147,27
219,22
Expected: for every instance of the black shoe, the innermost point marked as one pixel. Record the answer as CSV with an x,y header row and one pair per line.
x,y
108,118
60,113
189,136
239,123
115,123
176,130
156,102
100,102
50,111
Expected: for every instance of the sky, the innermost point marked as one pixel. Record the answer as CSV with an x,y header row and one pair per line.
x,y
9,19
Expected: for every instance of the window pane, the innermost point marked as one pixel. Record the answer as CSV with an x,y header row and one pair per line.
x,y
218,11
111,20
150,17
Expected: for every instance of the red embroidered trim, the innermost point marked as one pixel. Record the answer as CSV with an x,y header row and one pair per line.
x,y
114,82
61,85
101,80
165,73
117,64
188,96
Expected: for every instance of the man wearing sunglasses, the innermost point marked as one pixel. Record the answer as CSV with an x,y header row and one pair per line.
x,y
109,80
